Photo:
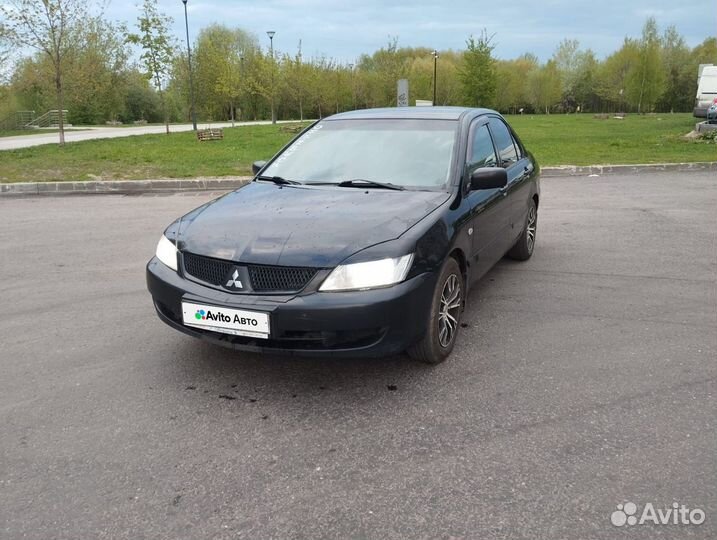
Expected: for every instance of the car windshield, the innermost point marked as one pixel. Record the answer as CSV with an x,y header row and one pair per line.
x,y
408,153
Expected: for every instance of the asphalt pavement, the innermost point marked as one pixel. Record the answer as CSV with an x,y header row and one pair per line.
x,y
585,378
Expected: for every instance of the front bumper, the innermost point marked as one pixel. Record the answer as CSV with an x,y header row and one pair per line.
x,y
376,322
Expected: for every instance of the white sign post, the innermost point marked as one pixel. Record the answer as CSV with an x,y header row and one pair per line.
x,y
402,99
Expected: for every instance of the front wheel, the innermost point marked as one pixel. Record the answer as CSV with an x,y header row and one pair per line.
x,y
444,318
523,248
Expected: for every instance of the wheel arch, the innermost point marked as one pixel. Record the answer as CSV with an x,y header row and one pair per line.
x,y
460,257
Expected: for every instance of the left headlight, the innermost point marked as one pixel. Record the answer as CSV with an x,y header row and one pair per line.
x,y
368,275
167,252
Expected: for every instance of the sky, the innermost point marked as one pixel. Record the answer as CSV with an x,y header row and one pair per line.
x,y
344,29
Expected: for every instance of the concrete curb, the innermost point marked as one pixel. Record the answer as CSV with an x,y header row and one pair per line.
x,y
122,187
577,170
137,187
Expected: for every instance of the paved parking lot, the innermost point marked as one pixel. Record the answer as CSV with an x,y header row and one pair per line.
x,y
585,379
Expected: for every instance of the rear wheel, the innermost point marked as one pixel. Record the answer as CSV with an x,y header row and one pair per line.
x,y
444,317
523,248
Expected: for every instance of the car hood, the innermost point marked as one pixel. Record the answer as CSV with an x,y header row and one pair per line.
x,y
264,223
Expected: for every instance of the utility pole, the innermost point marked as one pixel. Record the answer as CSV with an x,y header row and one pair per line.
x,y
271,34
353,94
300,71
435,66
189,63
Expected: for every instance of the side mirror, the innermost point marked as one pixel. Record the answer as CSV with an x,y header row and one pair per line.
x,y
489,178
257,166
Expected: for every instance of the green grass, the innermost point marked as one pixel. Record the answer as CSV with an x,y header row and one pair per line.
x,y
554,139
179,155
585,140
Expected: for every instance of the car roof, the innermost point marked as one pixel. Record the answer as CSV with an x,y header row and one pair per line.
x,y
412,113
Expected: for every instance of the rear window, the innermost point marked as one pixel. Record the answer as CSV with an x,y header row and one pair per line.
x,y
503,141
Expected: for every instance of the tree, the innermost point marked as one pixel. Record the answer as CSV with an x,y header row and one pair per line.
x,y
295,77
583,89
478,73
644,81
218,68
383,69
678,78
95,75
158,48
567,62
45,25
611,75
97,69
141,101
512,76
5,50
545,87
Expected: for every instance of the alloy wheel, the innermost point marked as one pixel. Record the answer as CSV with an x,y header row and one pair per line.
x,y
532,228
448,310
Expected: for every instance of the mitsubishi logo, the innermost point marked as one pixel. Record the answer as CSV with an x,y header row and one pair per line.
x,y
234,282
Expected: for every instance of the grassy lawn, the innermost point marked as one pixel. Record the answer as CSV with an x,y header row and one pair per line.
x,y
554,139
179,155
585,140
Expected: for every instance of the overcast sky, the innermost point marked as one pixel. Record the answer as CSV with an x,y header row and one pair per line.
x,y
343,29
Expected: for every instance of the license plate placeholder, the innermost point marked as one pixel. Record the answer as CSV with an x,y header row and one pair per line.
x,y
238,322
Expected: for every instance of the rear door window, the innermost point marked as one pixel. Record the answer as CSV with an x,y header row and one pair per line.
x,y
503,142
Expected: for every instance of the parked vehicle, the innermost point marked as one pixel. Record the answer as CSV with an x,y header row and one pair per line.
x,y
361,237
706,91
712,112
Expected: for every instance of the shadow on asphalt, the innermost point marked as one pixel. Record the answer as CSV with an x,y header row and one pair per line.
x,y
230,375
237,375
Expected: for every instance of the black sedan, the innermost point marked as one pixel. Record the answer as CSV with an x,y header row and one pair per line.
x,y
359,238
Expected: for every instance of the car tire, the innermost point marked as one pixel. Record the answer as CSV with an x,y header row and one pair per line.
x,y
444,317
524,247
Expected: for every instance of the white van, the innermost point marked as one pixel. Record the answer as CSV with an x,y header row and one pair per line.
x,y
706,91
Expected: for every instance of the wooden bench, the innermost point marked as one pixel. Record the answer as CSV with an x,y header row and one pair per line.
x,y
292,129
210,134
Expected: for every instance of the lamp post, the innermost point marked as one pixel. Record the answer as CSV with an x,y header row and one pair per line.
x,y
189,63
353,95
271,34
435,65
241,93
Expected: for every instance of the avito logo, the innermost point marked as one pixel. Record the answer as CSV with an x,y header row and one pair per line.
x,y
221,317
627,514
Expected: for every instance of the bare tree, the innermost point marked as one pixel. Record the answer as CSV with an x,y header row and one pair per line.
x,y
45,26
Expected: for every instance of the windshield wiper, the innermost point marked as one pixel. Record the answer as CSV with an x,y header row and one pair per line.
x,y
360,182
277,180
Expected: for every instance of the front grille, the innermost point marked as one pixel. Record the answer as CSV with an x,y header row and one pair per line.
x,y
212,271
279,278
262,278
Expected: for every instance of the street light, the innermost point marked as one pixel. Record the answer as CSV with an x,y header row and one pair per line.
x,y
353,95
271,34
241,59
189,62
435,65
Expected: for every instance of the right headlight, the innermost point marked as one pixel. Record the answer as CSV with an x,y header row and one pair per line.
x,y
167,252
368,275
